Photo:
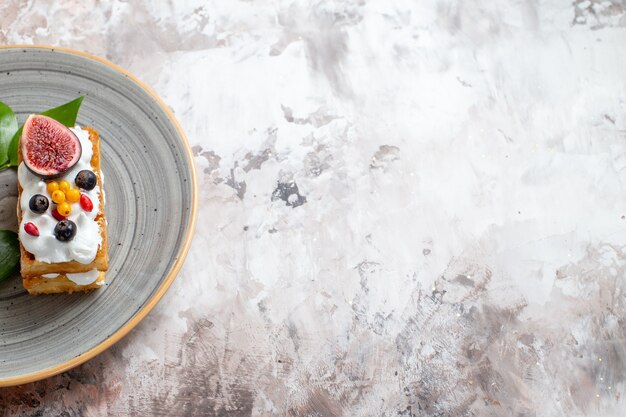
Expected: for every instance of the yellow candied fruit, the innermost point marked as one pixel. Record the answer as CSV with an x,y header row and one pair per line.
x,y
65,186
73,195
58,196
52,187
64,209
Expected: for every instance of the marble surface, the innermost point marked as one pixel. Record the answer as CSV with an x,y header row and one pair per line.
x,y
407,208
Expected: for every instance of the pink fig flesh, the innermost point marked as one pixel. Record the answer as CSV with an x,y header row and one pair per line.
x,y
49,149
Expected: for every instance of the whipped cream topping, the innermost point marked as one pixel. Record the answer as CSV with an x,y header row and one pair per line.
x,y
45,247
84,278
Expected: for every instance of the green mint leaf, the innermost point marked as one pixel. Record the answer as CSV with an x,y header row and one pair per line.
x,y
8,127
15,141
9,254
65,114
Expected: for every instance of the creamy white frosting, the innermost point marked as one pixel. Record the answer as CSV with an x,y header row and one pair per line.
x,y
45,247
84,278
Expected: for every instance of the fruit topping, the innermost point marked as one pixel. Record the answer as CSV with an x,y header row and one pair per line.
x,y
52,187
38,203
72,195
31,229
65,186
86,203
58,196
57,215
49,149
65,230
64,209
86,180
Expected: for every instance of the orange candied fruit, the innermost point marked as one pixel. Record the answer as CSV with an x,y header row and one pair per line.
x,y
73,195
58,196
52,187
64,209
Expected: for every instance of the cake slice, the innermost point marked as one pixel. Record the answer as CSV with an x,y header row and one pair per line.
x,y
60,283
46,270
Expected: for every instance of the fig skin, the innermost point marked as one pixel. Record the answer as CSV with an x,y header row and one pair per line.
x,y
58,128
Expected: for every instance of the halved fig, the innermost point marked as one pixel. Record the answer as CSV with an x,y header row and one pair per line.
x,y
49,149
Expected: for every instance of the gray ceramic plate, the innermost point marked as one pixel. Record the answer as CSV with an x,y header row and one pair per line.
x,y
144,154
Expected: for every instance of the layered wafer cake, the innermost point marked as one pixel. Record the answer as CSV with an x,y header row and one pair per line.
x,y
63,236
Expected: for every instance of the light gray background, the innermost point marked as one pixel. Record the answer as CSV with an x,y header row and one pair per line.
x,y
407,208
